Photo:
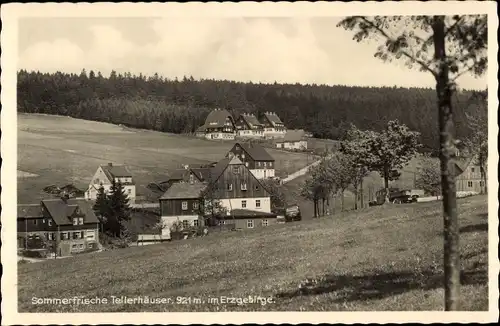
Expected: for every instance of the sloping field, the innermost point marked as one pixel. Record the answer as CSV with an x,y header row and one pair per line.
x,y
381,258
62,150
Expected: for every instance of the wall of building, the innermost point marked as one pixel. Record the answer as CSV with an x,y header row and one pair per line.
x,y
245,223
247,203
263,173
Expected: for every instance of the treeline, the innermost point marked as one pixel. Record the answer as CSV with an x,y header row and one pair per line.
x,y
180,106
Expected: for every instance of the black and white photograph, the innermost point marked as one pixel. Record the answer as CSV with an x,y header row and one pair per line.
x,y
283,158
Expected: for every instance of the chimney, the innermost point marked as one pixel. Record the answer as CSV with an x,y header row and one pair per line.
x,y
110,164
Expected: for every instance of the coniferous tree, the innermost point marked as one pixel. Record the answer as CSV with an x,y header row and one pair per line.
x,y
119,208
101,205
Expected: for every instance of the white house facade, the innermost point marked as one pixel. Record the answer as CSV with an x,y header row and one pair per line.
x,y
104,176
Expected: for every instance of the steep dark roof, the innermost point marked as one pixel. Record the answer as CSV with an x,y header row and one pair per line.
x,y
256,152
178,174
293,136
273,117
251,120
218,169
217,118
184,191
60,211
115,171
29,211
461,164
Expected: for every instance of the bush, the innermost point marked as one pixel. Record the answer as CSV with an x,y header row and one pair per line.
x,y
34,253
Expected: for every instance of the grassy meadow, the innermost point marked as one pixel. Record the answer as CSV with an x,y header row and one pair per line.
x,y
60,150
376,259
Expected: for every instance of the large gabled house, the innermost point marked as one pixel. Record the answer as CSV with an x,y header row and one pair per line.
x,y
219,124
69,224
232,186
105,175
293,140
247,125
273,126
255,158
247,202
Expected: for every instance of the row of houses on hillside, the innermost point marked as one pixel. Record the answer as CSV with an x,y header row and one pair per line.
x,y
220,124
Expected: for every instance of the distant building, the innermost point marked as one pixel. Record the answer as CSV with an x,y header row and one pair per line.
x,y
105,175
255,158
273,126
293,140
70,225
247,125
218,125
468,175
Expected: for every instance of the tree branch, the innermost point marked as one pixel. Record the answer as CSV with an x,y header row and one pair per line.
x,y
404,53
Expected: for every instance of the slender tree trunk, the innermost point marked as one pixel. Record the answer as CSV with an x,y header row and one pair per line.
x,y
448,186
482,163
355,198
342,201
362,194
386,184
315,207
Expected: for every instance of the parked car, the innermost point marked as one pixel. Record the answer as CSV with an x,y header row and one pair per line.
x,y
292,213
398,196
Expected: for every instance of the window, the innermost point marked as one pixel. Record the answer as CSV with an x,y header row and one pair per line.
x,y
49,222
243,156
256,187
129,191
64,236
469,184
185,224
246,164
258,164
257,203
34,222
265,164
265,223
196,205
80,246
270,164
76,235
96,181
184,205
243,204
229,186
43,221
196,223
81,235
472,170
250,224
75,221
222,222
236,169
243,186
481,183
80,220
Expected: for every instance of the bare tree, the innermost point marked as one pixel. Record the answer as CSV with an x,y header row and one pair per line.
x,y
447,47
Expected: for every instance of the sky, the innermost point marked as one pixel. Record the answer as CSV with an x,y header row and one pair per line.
x,y
290,50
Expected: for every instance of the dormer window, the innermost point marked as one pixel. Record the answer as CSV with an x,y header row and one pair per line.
x,y
229,186
75,221
236,169
80,220
244,186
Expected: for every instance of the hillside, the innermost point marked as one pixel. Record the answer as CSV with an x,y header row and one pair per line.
x,y
72,149
180,106
382,258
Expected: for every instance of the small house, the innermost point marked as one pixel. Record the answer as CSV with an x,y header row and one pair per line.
x,y
273,126
247,125
468,175
105,175
293,140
